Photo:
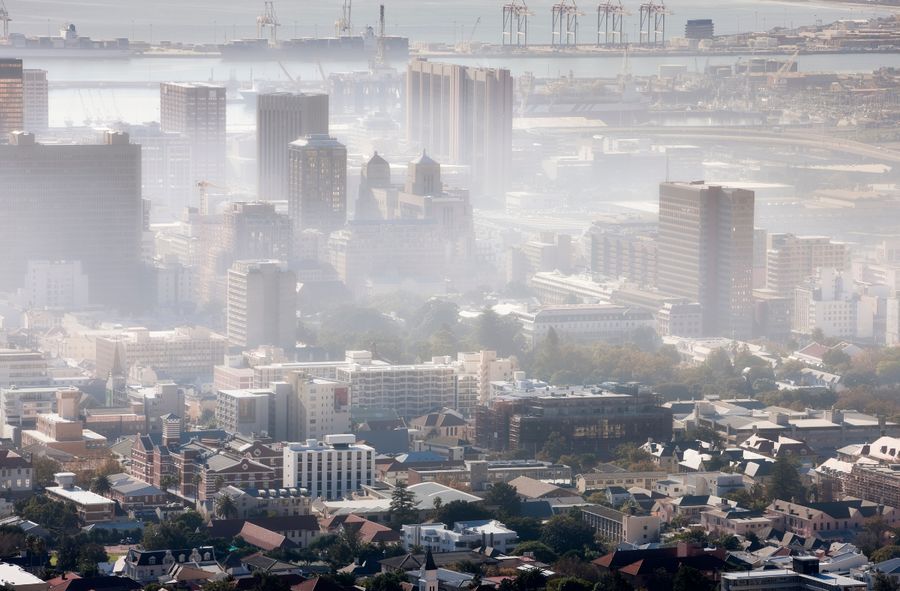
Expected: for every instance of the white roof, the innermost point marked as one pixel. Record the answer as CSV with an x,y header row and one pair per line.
x,y
79,496
16,575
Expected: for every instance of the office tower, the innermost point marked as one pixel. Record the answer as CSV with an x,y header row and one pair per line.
x,y
705,253
74,203
317,406
12,97
376,174
36,104
281,118
166,168
791,260
317,191
261,304
331,469
463,115
197,111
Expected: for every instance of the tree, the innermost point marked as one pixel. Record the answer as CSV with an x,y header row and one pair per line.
x,y
100,484
223,585
613,582
530,579
691,579
882,582
504,497
88,557
403,506
44,470
784,483
539,550
565,532
225,507
885,553
527,528
264,581
554,447
459,510
386,582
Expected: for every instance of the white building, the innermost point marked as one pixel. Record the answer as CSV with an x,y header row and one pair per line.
x,y
54,284
331,469
20,579
317,407
828,302
583,322
464,535
261,304
22,368
254,412
622,527
21,406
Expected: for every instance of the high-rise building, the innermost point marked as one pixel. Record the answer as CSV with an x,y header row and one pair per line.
x,y
197,111
36,103
705,253
463,115
74,203
261,304
12,97
317,407
317,189
791,260
330,469
281,118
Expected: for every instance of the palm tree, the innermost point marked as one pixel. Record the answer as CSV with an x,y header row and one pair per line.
x,y
225,507
100,484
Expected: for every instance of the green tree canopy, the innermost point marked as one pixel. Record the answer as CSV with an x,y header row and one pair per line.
x,y
565,532
504,497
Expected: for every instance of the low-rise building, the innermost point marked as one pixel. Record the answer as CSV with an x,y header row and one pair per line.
x,y
91,507
734,522
437,537
606,475
147,566
15,473
619,526
805,576
16,577
836,519
132,493
331,469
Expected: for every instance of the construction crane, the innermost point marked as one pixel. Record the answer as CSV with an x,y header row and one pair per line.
x,y
515,23
785,68
344,25
268,20
286,73
4,18
204,187
474,28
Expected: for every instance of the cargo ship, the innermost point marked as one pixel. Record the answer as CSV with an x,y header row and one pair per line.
x,y
351,48
67,44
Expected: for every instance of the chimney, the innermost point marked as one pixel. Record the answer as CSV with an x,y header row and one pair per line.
x,y
492,539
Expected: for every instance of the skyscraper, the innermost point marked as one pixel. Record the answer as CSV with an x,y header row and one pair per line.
x,y
36,105
317,189
705,253
12,97
261,304
74,203
281,118
463,115
197,111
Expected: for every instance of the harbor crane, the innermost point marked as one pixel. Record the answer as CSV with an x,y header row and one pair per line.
x,y
344,25
268,20
4,18
565,23
515,23
609,23
653,23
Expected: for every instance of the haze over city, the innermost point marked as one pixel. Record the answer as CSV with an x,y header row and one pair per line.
x,y
408,295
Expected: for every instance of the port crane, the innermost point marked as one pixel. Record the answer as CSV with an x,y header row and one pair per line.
x,y
515,23
344,25
609,23
4,18
565,23
268,20
653,22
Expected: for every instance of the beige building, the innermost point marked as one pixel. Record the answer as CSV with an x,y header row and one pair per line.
x,y
731,522
705,253
36,105
317,183
64,431
261,304
91,507
22,368
791,260
78,202
317,407
621,527
463,114
181,354
198,112
281,118
608,476
12,96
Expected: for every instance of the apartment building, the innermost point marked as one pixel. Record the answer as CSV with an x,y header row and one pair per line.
x,y
622,527
331,469
791,260
261,304
23,368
